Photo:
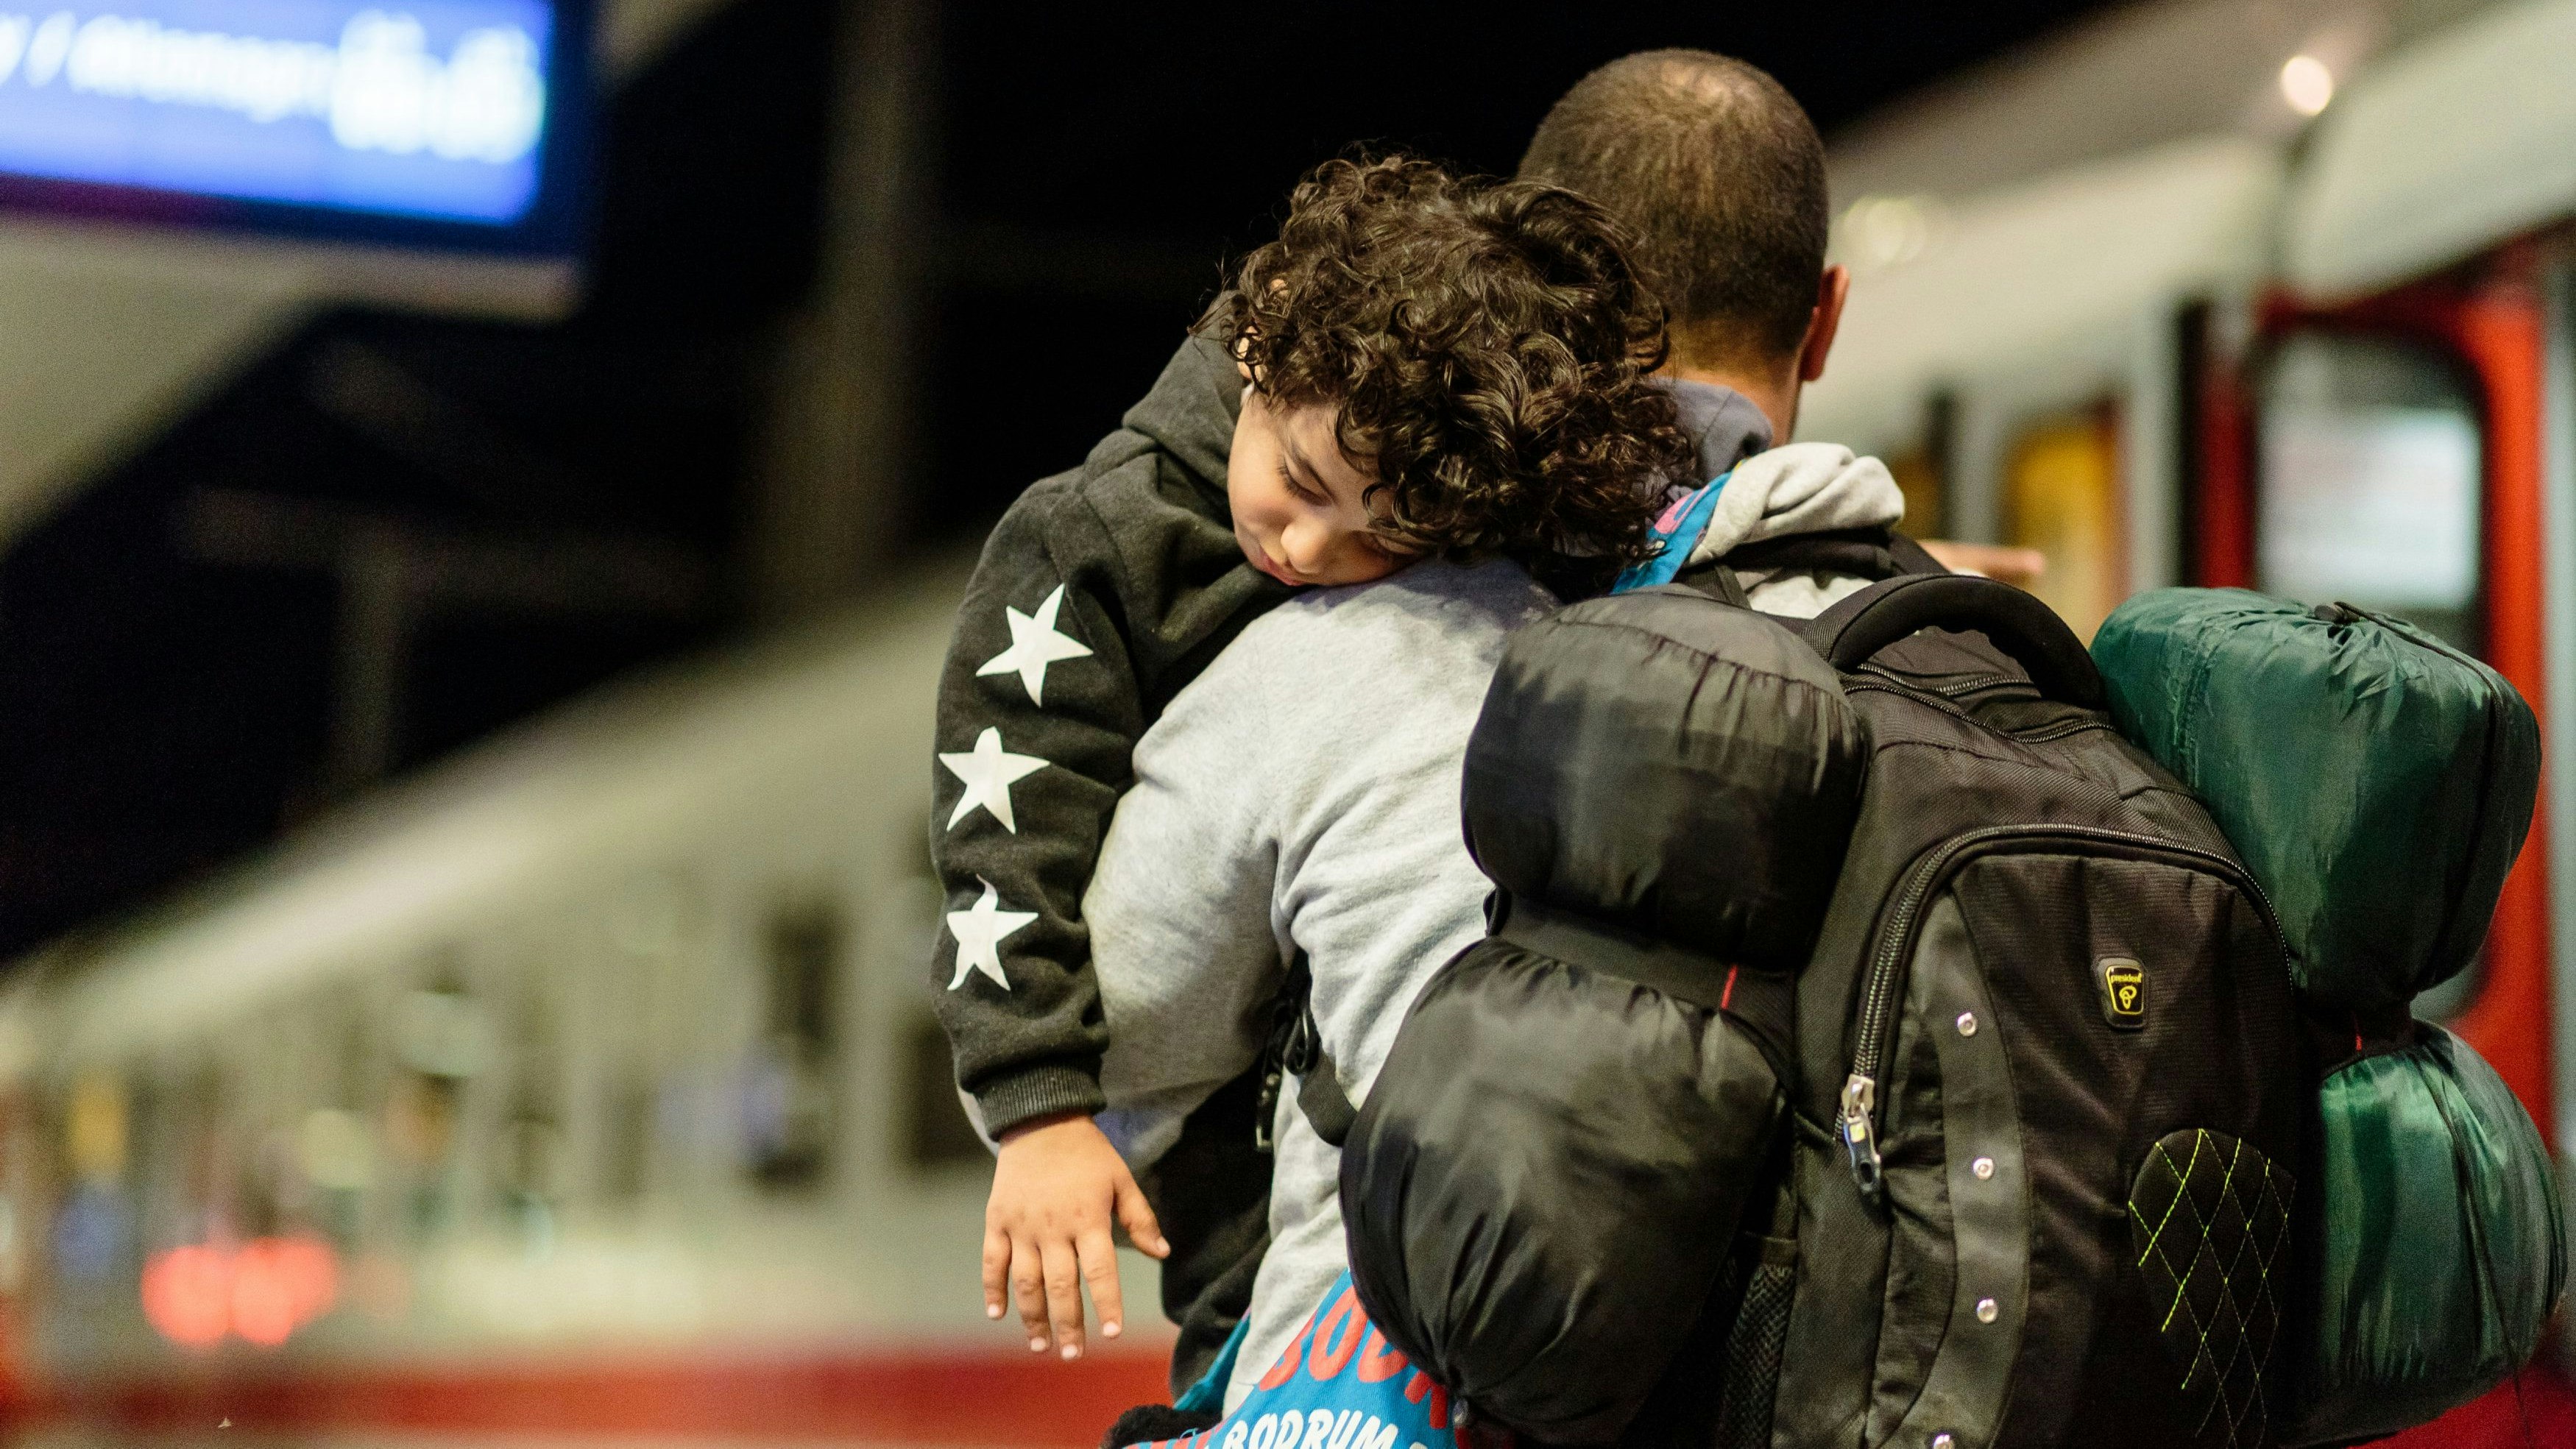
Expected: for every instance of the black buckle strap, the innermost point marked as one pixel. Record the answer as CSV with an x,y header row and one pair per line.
x,y
1296,1045
1597,945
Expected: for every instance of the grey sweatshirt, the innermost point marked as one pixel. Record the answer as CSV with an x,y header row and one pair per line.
x,y
1301,794
1793,489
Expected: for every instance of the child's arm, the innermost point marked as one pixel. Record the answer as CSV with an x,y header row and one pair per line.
x,y
1057,1187
1101,592
1181,916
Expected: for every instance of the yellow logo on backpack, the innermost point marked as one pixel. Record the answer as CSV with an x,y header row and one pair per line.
x,y
2124,992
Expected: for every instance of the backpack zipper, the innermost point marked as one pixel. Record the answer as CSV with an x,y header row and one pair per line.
x,y
1957,688
2038,735
1887,970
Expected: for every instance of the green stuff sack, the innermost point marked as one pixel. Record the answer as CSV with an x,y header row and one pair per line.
x,y
2376,781
2441,1255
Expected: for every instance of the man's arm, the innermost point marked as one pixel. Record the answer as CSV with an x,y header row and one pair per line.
x,y
2019,567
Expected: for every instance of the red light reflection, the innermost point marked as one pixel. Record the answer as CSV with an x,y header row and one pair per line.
x,y
263,1291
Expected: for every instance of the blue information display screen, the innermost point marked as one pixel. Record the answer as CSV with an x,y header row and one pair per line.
x,y
441,112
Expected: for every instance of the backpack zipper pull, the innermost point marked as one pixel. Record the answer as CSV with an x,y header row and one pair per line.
x,y
1860,1141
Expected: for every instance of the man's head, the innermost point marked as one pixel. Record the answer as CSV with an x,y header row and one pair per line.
x,y
1719,177
1443,367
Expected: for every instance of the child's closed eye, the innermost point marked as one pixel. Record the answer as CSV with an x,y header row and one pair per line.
x,y
1303,493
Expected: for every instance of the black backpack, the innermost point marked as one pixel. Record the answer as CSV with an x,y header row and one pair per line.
x,y
2052,1094
1661,788
2047,1099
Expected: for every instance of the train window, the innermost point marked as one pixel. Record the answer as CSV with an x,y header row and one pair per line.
x,y
94,1128
937,1134
202,1104
2062,496
791,1095
443,1038
527,1155
2369,467
444,1033
626,1142
93,1227
338,1159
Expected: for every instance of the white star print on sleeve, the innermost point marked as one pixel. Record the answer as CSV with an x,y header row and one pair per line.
x,y
1035,644
980,931
989,772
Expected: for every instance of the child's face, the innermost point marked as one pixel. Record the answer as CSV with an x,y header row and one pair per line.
x,y
1296,499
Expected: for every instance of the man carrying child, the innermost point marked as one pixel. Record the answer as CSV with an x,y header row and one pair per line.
x,y
1299,796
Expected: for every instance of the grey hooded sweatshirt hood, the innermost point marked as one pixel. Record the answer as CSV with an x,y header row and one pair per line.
x,y
1796,489
1724,423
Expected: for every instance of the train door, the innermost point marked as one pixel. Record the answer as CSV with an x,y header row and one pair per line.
x,y
2389,452
2062,493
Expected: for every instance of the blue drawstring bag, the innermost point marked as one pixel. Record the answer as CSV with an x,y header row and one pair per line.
x,y
1676,533
1338,1386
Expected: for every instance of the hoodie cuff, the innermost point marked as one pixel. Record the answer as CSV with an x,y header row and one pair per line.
x,y
1051,1091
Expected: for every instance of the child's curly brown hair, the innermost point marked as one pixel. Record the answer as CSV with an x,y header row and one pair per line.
x,y
1487,345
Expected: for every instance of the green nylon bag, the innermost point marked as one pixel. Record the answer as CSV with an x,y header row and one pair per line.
x,y
2377,782
2442,1253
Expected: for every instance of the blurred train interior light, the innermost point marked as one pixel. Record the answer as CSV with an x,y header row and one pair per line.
x,y
451,123
2307,84
1878,232
261,1291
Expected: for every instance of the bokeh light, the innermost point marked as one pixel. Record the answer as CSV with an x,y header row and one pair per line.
x,y
262,1291
2307,84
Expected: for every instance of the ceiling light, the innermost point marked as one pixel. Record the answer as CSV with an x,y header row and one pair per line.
x,y
2306,84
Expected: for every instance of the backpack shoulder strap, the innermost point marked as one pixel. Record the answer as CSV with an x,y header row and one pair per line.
x,y
1912,557
1868,553
1716,579
1297,1045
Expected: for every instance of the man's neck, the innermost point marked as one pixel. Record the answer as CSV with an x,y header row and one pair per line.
x,y
1776,395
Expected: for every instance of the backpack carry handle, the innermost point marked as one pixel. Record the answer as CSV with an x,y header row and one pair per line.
x,y
1851,632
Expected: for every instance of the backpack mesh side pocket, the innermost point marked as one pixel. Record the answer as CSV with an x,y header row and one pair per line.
x,y
1754,1345
2209,1220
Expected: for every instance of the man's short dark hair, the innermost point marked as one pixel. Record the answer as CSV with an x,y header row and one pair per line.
x,y
1718,175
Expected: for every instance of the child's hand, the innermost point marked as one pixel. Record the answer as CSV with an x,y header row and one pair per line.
x,y
1058,1187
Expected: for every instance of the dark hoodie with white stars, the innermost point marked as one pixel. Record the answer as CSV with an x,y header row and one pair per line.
x,y
1102,592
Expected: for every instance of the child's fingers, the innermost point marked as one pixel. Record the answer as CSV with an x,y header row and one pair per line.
x,y
1028,1285
1100,1272
1137,1216
1064,1294
997,1270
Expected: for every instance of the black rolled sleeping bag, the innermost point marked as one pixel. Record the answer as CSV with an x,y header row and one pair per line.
x,y
1543,1185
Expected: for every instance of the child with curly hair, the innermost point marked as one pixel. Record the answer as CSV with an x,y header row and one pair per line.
x,y
1444,383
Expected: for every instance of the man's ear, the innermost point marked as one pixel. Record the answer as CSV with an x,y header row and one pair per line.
x,y
1831,291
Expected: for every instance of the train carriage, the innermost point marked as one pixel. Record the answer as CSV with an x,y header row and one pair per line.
x,y
587,1085
2336,371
